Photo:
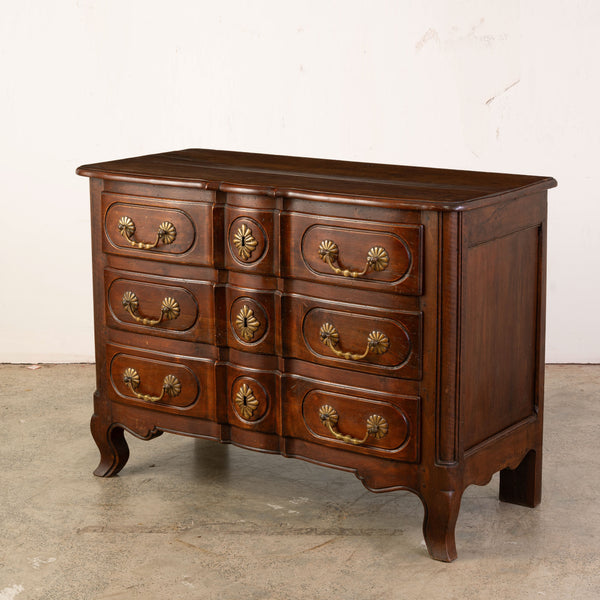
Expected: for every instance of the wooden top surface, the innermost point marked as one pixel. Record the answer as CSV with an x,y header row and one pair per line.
x,y
319,179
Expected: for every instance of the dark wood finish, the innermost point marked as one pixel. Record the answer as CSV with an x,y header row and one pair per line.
x,y
354,239
462,303
261,224
317,179
499,311
196,302
263,307
195,376
189,246
304,317
265,387
354,406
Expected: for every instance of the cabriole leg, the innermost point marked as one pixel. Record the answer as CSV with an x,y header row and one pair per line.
x,y
441,513
110,440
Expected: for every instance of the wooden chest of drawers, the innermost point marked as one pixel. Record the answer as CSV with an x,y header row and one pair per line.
x,y
387,321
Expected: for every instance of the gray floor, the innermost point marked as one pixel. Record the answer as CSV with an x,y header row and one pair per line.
x,y
195,519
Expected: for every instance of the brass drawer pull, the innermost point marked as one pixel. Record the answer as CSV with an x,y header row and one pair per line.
x,y
377,342
169,309
246,323
377,426
171,385
377,259
245,242
246,401
166,233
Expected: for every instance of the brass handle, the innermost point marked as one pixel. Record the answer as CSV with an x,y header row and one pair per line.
x,y
169,309
377,426
377,342
246,401
246,323
377,259
245,242
166,233
171,385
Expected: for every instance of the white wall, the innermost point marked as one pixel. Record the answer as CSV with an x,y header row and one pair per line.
x,y
506,86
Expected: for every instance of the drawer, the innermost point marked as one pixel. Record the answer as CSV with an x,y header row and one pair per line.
x,y
161,382
160,306
372,340
362,254
250,240
157,229
253,399
353,419
252,322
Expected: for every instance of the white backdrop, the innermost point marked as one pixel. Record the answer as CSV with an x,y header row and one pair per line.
x,y
505,86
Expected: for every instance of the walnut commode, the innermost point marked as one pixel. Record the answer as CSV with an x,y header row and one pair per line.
x,y
383,320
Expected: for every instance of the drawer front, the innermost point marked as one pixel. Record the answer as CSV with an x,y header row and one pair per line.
x,y
251,319
157,229
365,339
155,306
250,240
253,400
353,419
159,382
371,255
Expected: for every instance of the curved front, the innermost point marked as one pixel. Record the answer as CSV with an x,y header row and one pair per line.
x,y
354,409
151,377
146,221
352,251
150,298
353,337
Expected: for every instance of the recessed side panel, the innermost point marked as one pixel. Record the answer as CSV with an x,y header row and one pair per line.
x,y
500,320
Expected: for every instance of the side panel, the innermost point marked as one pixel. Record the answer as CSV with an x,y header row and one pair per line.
x,y
502,317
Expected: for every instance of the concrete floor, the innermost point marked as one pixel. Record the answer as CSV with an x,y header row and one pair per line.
x,y
195,519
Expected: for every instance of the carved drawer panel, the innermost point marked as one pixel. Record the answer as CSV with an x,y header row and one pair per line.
x,y
251,320
353,419
249,237
157,229
159,381
353,337
372,255
157,306
253,399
